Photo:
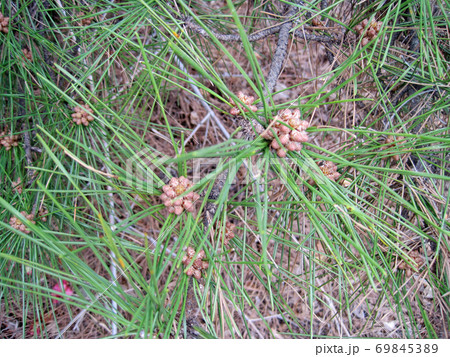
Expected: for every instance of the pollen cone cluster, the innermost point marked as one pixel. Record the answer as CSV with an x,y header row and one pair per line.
x,y
289,130
329,169
198,265
4,22
8,141
17,224
247,100
82,115
172,191
372,30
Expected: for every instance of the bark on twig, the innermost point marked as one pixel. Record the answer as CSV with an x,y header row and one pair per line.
x,y
259,35
300,35
280,53
256,36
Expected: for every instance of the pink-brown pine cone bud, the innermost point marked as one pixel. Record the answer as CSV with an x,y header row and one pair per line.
x,y
275,145
188,205
284,139
234,111
285,129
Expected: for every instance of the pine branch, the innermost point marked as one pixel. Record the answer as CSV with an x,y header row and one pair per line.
x,y
256,36
280,53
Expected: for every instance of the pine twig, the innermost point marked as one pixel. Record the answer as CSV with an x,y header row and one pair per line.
x,y
280,53
256,36
316,38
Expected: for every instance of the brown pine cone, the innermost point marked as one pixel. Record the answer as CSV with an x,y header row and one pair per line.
x,y
289,131
198,265
17,223
9,141
177,187
4,23
82,115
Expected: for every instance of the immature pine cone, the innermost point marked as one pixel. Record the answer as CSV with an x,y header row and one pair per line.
x,y
8,141
4,22
290,139
372,30
391,142
416,257
85,21
316,22
247,100
329,169
175,188
82,115
17,185
42,214
198,265
28,55
228,235
17,224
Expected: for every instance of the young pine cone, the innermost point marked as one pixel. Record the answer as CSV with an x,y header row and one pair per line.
x,y
372,31
228,235
392,141
82,115
198,265
416,257
175,188
290,131
316,22
27,54
329,169
8,141
42,214
85,21
17,224
17,185
4,23
247,100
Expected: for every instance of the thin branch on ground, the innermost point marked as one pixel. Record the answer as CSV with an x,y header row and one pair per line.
x,y
280,54
256,36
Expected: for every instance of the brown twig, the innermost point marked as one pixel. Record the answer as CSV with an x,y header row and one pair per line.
x,y
280,53
317,38
256,36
